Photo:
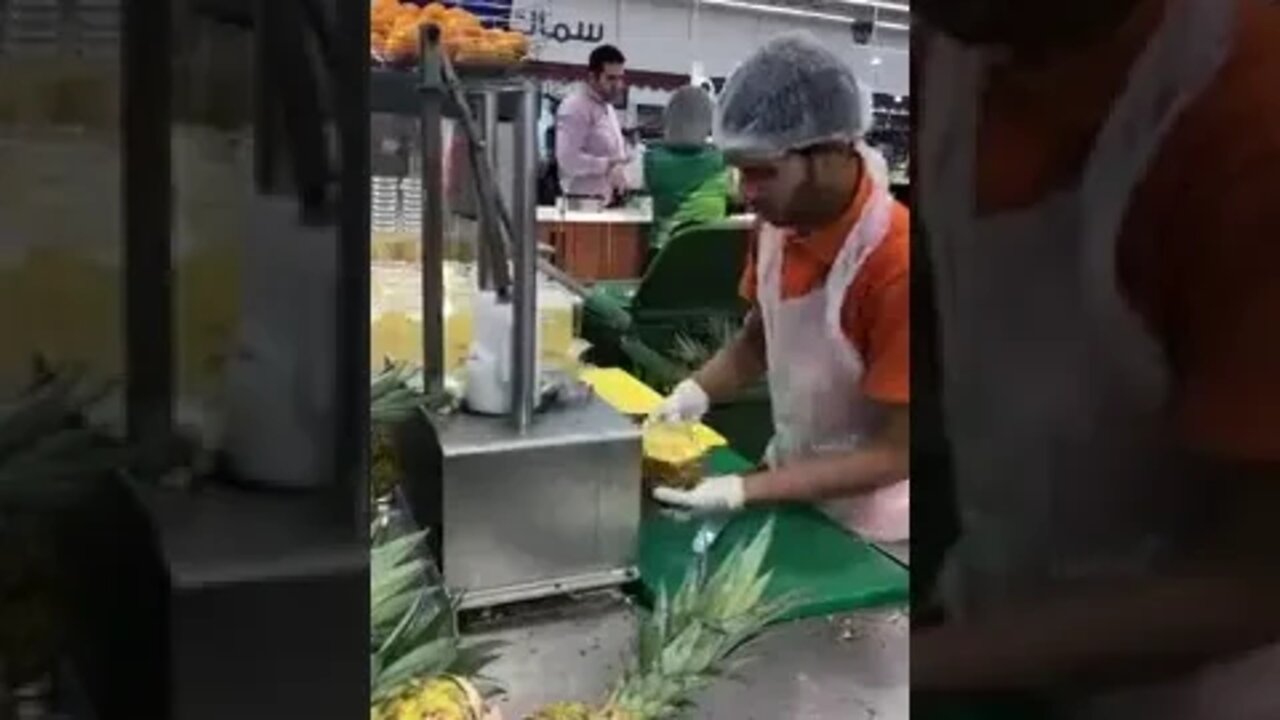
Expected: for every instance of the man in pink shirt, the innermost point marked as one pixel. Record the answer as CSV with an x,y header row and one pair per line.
x,y
589,145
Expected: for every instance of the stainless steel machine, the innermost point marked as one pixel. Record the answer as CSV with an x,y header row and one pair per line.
x,y
546,500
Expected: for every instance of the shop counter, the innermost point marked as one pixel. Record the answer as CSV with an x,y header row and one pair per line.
x,y
602,244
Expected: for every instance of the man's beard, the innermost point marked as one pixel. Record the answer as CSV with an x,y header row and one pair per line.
x,y
1024,24
812,207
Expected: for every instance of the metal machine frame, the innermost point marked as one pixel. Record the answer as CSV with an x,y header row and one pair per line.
x,y
527,507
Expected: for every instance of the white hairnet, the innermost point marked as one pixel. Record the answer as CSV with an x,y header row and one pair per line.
x,y
790,94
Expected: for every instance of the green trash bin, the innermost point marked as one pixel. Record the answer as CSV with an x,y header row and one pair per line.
x,y
692,283
691,291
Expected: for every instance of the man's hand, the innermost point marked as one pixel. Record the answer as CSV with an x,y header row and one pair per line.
x,y
1218,603
618,175
687,403
618,170
725,492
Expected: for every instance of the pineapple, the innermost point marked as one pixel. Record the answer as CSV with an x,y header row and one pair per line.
x,y
46,447
673,455
419,668
569,711
391,401
689,639
44,437
693,350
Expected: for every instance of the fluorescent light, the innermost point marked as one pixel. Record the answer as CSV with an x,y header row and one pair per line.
x,y
876,60
900,7
775,10
813,15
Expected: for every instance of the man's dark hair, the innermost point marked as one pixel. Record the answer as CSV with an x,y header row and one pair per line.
x,y
605,55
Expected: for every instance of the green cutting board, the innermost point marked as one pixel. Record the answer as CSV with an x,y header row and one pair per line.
x,y
812,557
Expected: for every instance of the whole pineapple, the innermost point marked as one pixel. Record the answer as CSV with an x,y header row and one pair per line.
x,y
46,449
688,641
44,437
420,669
391,401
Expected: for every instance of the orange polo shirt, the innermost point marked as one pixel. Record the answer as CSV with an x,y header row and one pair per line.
x,y
1199,252
876,316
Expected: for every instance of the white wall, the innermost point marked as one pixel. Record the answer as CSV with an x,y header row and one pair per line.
x,y
659,35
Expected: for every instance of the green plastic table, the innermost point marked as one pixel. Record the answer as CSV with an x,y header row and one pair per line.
x,y
829,569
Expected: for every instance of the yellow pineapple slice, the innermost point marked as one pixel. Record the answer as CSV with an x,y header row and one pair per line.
x,y
673,454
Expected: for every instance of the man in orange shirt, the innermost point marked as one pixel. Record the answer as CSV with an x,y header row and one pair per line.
x,y
829,284
1099,187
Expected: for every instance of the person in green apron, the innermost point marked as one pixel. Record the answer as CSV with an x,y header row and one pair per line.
x,y
686,175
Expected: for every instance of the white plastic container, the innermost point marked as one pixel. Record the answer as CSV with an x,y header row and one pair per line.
x,y
488,369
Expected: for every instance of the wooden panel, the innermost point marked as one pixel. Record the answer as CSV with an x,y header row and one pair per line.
x,y
626,245
596,251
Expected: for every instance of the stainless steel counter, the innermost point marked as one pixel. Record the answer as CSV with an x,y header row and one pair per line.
x,y
845,668
238,561
554,509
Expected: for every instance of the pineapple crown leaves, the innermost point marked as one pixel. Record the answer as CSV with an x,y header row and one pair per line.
x,y
392,397
689,350
44,434
694,349
413,627
688,640
397,576
398,392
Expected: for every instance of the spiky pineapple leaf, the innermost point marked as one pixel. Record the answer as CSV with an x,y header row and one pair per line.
x,y
392,553
45,438
402,626
397,579
45,409
392,399
425,661
385,615
688,642
474,657
651,635
413,623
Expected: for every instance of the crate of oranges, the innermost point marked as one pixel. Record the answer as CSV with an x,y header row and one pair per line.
x,y
395,27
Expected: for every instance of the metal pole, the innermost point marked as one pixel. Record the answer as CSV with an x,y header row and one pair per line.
x,y
147,201
351,426
489,231
524,309
432,211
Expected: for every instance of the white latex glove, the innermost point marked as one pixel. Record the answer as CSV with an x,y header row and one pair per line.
x,y
725,492
687,403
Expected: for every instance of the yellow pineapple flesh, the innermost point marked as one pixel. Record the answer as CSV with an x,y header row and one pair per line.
x,y
673,455
440,698
579,711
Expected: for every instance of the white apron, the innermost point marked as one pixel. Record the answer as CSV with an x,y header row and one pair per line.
x,y
815,372
1054,391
